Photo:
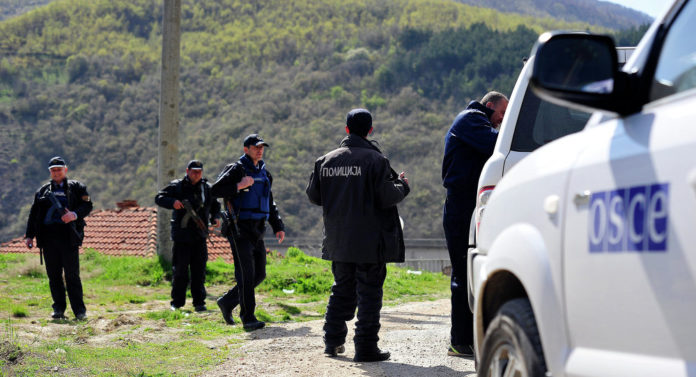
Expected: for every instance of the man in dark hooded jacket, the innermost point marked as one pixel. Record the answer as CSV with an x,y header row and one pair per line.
x,y
468,145
358,192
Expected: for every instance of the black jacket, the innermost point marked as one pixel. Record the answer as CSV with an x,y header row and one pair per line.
x,y
208,210
358,192
78,202
226,187
468,145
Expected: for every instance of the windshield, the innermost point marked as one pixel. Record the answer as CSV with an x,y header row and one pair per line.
x,y
541,122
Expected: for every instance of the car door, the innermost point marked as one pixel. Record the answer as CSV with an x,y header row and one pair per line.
x,y
630,229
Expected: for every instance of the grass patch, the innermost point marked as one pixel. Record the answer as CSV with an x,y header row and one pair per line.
x,y
131,330
19,311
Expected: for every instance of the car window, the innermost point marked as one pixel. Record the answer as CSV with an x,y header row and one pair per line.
x,y
676,67
541,122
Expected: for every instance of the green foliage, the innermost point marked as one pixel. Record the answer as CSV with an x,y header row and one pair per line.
x,y
90,69
123,270
219,272
297,273
19,311
631,36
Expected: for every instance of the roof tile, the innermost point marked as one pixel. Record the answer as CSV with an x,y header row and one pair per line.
x,y
129,231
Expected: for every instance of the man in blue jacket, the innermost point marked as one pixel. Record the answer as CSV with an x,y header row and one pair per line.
x,y
245,186
468,144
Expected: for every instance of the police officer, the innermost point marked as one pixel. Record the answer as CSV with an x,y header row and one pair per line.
x,y
194,207
57,220
245,186
358,192
468,145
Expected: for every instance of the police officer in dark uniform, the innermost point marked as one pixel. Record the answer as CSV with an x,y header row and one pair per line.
x,y
194,206
358,192
246,188
57,220
468,145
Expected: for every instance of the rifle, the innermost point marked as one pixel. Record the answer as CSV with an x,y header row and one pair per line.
x,y
197,219
58,206
229,225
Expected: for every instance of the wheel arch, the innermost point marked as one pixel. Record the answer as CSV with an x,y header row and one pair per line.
x,y
519,264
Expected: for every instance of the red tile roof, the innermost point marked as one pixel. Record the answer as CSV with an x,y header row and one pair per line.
x,y
129,230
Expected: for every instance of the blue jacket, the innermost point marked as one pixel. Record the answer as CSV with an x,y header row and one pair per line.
x,y
226,187
468,144
253,204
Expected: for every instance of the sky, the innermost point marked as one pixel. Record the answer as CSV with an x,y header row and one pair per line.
x,y
652,8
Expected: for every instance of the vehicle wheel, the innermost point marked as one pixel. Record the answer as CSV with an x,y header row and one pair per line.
x,y
512,347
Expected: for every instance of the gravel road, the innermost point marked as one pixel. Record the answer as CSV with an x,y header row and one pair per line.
x,y
415,333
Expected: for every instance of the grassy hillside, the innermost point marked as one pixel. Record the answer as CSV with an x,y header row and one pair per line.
x,y
594,12
12,8
80,79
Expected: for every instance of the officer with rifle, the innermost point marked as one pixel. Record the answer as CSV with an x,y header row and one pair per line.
x,y
193,206
56,219
245,186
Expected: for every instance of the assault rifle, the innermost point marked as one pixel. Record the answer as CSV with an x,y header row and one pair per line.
x,y
202,227
229,225
57,206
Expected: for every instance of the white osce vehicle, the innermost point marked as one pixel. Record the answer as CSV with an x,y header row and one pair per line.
x,y
585,262
529,123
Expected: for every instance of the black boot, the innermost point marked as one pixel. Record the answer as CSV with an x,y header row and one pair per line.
x,y
333,351
226,312
371,354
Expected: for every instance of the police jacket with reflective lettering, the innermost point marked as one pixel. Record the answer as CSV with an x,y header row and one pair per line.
x,y
358,192
184,228
253,205
76,199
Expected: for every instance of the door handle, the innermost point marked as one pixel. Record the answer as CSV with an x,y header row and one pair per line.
x,y
582,198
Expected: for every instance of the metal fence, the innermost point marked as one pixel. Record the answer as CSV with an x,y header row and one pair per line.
x,y
422,254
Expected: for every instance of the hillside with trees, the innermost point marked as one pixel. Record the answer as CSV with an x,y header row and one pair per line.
x,y
593,12
80,79
12,8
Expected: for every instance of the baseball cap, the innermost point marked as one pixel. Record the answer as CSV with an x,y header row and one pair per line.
x,y
55,162
195,164
254,139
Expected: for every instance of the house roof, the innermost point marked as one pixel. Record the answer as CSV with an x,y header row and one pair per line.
x,y
129,230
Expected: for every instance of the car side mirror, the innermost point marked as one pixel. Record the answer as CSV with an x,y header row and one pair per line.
x,y
576,63
579,70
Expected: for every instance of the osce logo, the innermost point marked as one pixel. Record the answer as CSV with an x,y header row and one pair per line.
x,y
629,219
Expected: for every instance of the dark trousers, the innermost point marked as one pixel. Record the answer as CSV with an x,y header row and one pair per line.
x,y
456,220
249,271
193,255
62,257
355,285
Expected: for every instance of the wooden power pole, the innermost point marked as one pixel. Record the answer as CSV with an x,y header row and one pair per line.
x,y
168,150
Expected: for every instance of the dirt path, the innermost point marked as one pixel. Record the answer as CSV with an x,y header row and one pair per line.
x,y
416,334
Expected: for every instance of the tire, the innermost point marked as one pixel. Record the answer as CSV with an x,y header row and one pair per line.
x,y
512,346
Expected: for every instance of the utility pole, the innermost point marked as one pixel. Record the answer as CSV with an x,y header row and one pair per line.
x,y
168,147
